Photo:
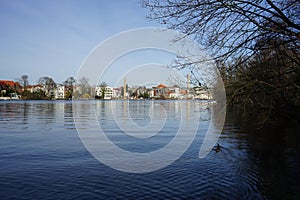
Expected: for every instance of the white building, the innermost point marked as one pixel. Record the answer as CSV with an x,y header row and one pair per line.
x,y
59,91
151,92
116,93
202,93
108,92
98,90
35,88
174,92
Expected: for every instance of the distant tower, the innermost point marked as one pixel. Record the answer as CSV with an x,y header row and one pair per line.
x,y
124,89
188,83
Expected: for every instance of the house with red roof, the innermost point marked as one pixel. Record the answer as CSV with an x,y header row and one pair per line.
x,y
35,88
166,92
160,91
7,87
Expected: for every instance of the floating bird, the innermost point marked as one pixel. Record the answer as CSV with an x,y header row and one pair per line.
x,y
217,148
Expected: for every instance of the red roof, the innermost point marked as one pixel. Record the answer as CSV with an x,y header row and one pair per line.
x,y
17,84
161,86
8,83
183,92
34,86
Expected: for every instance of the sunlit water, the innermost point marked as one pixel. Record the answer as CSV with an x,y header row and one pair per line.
x,y
42,156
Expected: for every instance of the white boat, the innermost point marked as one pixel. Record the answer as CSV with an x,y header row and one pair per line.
x,y
12,96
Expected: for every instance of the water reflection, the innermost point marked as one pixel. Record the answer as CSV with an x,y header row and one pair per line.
x,y
147,136
36,113
68,115
41,155
274,152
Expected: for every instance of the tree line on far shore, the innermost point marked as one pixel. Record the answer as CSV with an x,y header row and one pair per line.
x,y
45,85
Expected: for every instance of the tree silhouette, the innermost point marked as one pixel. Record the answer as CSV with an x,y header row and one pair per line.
x,y
229,28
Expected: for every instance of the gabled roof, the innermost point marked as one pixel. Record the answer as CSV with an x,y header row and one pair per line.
x,y
34,86
161,86
183,92
17,84
8,83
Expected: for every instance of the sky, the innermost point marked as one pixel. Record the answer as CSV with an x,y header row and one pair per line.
x,y
53,37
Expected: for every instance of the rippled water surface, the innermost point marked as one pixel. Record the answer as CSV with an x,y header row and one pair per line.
x,y
42,156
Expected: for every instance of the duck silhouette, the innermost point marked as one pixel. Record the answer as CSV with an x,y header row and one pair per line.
x,y
217,148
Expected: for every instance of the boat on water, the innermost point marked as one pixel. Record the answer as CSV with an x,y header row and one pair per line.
x,y
12,96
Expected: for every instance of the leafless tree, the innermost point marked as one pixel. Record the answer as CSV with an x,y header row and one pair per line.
x,y
103,84
24,81
255,45
269,81
84,89
48,83
230,28
70,82
69,86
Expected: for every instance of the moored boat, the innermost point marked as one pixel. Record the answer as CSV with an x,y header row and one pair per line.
x,y
12,96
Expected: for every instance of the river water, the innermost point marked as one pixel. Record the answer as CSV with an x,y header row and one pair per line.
x,y
42,156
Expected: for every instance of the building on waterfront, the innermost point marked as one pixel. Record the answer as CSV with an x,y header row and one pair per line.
x,y
7,86
138,92
160,91
106,92
166,92
59,91
35,88
201,93
174,92
117,93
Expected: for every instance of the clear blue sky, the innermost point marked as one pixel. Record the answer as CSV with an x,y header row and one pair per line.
x,y
53,37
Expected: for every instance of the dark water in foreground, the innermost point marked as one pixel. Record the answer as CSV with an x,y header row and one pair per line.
x,y
42,157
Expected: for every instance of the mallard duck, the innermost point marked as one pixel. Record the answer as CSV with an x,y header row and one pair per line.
x,y
217,148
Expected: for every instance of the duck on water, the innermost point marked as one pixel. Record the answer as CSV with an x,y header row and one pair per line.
x,y
217,148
